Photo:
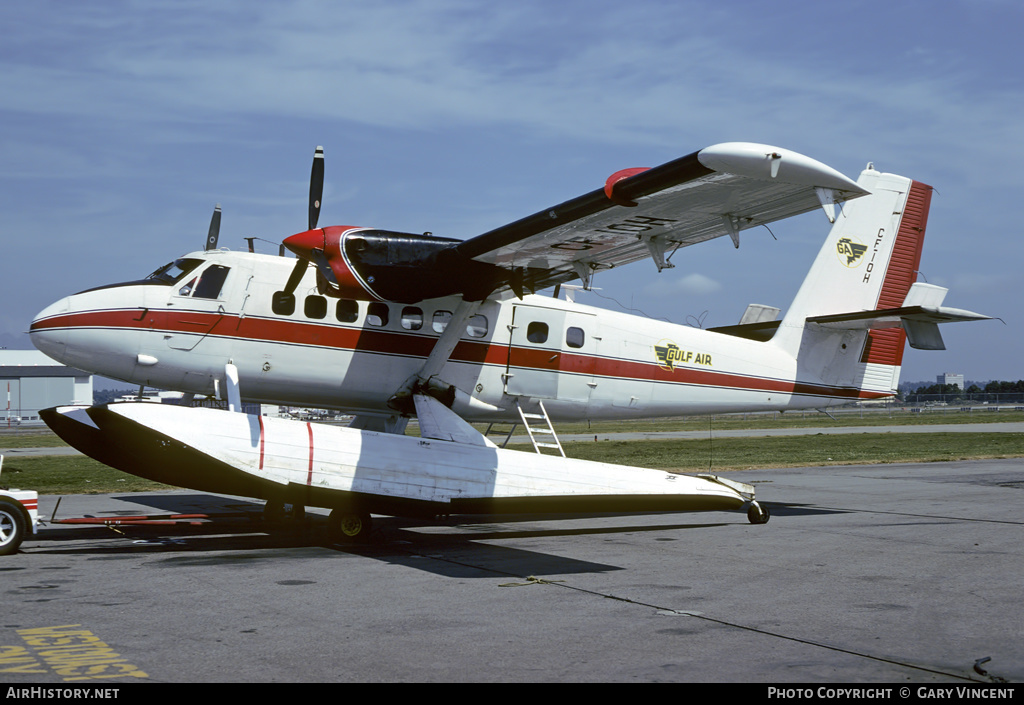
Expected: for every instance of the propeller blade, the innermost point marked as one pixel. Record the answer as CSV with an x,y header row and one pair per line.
x,y
211,238
316,187
296,276
323,266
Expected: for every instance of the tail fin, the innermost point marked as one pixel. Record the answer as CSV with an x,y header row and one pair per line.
x,y
868,264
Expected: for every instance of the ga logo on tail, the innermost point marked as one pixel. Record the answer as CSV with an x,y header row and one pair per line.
x,y
851,250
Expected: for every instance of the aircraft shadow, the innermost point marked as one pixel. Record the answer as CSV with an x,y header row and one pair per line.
x,y
468,554
455,547
786,509
459,546
235,542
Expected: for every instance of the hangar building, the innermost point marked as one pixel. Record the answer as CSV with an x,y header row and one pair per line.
x,y
30,381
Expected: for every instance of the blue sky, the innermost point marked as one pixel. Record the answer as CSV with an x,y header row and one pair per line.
x,y
125,122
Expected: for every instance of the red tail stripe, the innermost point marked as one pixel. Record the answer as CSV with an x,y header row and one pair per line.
x,y
885,347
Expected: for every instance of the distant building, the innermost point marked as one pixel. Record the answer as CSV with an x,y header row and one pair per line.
x,y
30,381
950,378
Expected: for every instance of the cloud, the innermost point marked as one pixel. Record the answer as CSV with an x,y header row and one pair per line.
x,y
637,73
694,284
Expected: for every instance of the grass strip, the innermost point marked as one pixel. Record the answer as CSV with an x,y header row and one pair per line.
x,y
701,455
59,475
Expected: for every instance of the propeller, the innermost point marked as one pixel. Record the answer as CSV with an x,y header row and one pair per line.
x,y
211,238
316,192
323,267
316,187
295,276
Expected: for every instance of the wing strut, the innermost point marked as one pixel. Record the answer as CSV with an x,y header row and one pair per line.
x,y
732,226
658,247
426,381
585,272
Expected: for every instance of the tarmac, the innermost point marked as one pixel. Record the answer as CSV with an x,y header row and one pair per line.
x,y
881,574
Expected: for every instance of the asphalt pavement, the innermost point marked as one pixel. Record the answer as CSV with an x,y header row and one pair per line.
x,y
865,574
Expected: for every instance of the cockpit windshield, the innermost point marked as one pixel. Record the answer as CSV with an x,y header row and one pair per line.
x,y
171,273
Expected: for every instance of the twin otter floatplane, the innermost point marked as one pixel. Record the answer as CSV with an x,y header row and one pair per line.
x,y
389,325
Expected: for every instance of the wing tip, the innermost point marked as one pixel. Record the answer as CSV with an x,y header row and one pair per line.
x,y
766,162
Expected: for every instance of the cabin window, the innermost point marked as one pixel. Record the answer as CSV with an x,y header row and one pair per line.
x,y
210,282
187,289
537,332
377,314
315,307
575,337
347,311
283,304
412,318
441,319
477,326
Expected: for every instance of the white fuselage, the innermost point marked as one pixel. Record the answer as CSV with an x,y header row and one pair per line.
x,y
582,362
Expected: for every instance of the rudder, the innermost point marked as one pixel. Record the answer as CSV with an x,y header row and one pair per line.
x,y
868,263
885,347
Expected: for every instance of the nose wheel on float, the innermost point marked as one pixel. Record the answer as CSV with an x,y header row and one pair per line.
x,y
757,514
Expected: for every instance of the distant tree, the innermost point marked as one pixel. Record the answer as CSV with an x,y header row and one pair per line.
x,y
939,389
105,396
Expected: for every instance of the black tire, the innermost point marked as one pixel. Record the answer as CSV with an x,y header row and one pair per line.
x,y
12,526
758,514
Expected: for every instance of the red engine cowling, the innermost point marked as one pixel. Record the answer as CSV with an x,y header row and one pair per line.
x,y
381,265
324,247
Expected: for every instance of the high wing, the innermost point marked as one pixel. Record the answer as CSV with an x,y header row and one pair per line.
x,y
640,213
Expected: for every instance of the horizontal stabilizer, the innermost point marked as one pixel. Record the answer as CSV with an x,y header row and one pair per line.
x,y
894,317
919,316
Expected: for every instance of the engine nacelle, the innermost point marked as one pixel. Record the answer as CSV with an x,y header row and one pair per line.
x,y
379,265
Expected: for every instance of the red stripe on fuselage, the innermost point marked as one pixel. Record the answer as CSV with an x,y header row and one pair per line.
x,y
356,340
261,440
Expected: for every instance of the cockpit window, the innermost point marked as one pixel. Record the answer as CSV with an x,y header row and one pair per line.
x,y
173,272
210,282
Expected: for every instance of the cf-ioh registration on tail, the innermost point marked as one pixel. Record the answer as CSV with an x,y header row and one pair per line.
x,y
388,325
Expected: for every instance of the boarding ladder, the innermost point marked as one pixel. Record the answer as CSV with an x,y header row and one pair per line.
x,y
535,429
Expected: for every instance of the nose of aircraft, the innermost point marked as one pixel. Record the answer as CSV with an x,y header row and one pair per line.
x,y
93,330
47,332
